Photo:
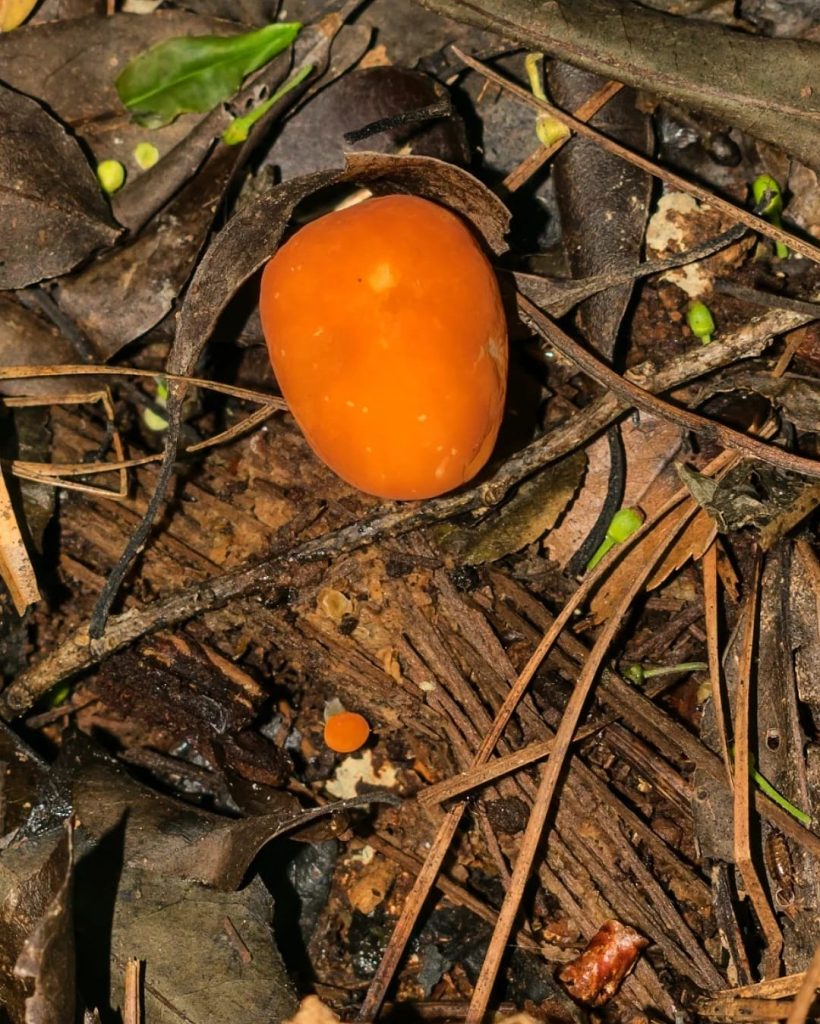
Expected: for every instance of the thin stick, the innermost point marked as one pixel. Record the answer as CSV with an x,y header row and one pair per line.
x,y
803,1001
551,773
742,785
635,395
132,996
710,612
793,340
474,778
806,249
26,372
585,112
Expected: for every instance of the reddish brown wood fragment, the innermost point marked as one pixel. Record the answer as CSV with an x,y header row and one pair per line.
x,y
596,975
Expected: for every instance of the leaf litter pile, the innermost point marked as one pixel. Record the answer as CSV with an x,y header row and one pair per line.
x,y
544,744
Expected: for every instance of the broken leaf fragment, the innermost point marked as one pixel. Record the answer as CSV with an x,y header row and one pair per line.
x,y
14,13
535,509
191,74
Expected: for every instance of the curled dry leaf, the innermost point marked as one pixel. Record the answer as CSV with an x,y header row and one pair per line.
x,y
15,565
796,397
46,961
596,975
750,494
52,213
36,935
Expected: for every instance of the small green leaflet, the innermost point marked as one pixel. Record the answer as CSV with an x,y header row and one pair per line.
x,y
239,129
191,74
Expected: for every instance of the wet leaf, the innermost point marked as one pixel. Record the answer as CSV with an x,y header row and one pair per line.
x,y
46,962
36,927
211,954
27,788
194,73
522,520
52,214
214,850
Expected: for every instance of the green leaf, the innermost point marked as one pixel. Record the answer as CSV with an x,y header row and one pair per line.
x,y
191,74
239,129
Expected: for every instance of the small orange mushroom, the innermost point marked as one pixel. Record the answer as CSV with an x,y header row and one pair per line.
x,y
346,732
386,331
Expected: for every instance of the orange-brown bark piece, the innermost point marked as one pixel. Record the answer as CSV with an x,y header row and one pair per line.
x,y
596,975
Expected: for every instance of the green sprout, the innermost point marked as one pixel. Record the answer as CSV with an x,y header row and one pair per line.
x,y
765,186
624,523
59,694
700,321
775,795
111,175
239,129
639,673
547,128
146,154
152,419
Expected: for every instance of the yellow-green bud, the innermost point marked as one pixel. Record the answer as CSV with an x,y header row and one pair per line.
x,y
111,175
701,322
146,154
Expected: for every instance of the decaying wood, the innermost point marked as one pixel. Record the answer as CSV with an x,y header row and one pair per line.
x,y
80,652
187,548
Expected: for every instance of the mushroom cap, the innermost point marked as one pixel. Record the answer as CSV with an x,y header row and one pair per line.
x,y
346,732
387,335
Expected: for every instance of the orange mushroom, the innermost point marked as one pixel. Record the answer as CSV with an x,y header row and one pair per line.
x,y
387,335
346,732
